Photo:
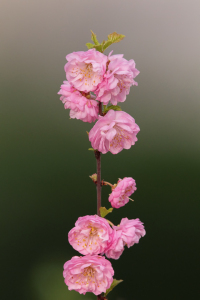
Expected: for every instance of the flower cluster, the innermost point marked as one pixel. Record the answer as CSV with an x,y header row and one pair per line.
x,y
94,79
92,235
94,76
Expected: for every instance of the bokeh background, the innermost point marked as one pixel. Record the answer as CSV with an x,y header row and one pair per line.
x,y
45,162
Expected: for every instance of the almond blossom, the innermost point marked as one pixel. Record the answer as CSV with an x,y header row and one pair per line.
x,y
82,105
88,274
116,246
114,132
90,235
120,193
128,233
85,69
131,231
117,80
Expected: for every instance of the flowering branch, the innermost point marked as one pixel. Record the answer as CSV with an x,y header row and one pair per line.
x,y
109,78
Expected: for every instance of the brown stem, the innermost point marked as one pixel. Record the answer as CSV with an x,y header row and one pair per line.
x,y
98,158
99,183
100,297
100,109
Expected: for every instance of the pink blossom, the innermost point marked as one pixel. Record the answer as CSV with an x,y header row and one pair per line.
x,y
90,235
117,80
115,131
88,274
131,231
82,107
85,70
120,194
116,246
128,233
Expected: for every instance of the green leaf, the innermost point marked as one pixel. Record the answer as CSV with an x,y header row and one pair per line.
x,y
115,37
114,284
112,38
114,107
104,211
94,38
89,45
91,149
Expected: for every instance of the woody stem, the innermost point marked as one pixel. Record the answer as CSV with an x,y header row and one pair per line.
x,y
98,159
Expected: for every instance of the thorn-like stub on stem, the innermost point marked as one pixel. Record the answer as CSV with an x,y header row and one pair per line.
x,y
94,177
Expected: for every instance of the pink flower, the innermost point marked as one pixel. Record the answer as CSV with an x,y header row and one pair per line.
x,y
120,194
116,246
88,274
131,231
117,80
128,233
115,131
85,70
81,107
90,235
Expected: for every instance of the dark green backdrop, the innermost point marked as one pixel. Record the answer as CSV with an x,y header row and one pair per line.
x,y
45,163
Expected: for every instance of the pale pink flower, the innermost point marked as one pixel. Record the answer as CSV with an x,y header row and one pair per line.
x,y
88,274
120,194
82,106
116,246
131,231
117,80
85,70
128,233
115,131
90,235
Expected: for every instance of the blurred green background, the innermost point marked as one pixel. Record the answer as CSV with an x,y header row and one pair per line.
x,y
45,163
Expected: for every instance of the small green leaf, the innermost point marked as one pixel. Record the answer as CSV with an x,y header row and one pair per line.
x,y
104,211
114,107
115,37
94,38
89,45
114,284
112,38
91,149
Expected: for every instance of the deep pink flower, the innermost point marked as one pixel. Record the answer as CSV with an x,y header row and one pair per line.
x,y
82,106
115,131
90,235
88,274
117,80
120,194
85,70
131,231
116,246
